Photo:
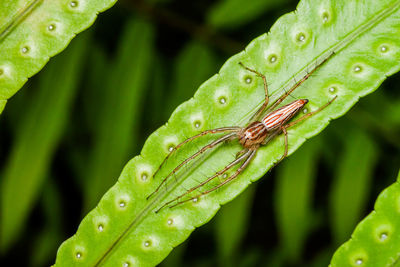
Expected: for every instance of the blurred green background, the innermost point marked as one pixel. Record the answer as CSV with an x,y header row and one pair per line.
x,y
65,137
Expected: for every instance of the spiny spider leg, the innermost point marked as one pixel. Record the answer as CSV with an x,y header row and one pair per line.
x,y
241,152
286,147
226,168
310,113
201,151
218,173
238,171
260,111
212,131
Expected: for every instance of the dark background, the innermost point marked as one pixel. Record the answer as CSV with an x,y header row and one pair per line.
x,y
340,172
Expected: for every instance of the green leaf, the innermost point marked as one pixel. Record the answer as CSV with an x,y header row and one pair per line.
x,y
39,133
115,136
32,31
293,199
352,181
124,229
375,241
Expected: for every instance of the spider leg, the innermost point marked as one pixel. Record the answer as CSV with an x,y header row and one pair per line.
x,y
212,131
249,155
218,173
297,84
201,151
310,113
286,146
266,99
241,152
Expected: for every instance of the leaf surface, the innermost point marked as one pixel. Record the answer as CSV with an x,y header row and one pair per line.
x,y
32,31
125,230
375,241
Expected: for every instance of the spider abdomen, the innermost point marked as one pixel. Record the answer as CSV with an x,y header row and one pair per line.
x,y
277,118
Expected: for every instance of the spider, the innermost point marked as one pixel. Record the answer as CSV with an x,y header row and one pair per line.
x,y
258,132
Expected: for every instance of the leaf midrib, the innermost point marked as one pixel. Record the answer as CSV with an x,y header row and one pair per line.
x,y
8,27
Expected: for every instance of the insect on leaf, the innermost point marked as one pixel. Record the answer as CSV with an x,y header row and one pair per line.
x,y
124,230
